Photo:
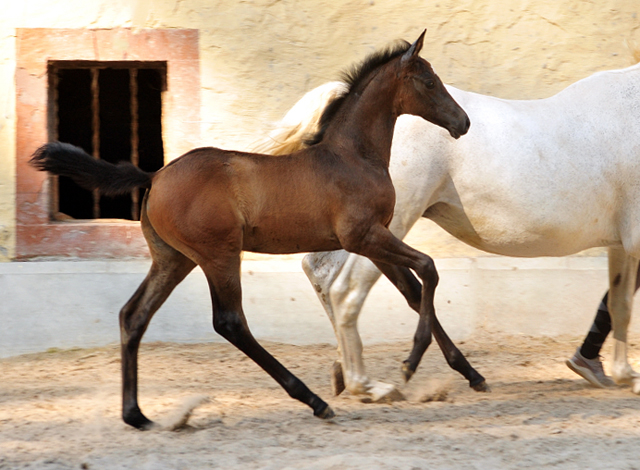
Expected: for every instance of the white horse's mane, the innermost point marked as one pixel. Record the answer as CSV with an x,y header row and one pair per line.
x,y
290,133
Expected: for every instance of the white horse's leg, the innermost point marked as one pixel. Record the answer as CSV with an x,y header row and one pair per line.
x,y
622,272
342,282
322,268
348,293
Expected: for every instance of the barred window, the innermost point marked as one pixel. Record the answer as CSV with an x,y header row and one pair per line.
x,y
113,110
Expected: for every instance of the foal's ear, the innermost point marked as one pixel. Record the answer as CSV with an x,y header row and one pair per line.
x,y
415,47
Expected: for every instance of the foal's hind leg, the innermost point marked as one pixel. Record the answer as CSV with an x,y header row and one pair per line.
x,y
410,288
168,269
229,321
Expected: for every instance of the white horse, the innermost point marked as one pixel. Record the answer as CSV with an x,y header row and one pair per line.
x,y
548,177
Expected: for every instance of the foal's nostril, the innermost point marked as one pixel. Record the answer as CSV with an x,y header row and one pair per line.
x,y
465,124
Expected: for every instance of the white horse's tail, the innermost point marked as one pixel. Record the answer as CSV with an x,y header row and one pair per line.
x,y
300,122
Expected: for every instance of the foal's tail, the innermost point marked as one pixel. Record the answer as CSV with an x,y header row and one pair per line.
x,y
90,173
301,121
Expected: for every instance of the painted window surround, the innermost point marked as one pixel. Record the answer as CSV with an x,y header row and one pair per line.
x,y
36,234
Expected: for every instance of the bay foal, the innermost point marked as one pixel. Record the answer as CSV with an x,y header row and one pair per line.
x,y
209,205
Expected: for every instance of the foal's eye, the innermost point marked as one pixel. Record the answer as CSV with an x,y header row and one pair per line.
x,y
422,85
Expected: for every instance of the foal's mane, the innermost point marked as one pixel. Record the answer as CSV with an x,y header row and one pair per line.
x,y
354,77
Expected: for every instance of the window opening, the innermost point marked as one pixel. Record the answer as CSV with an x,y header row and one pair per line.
x,y
113,110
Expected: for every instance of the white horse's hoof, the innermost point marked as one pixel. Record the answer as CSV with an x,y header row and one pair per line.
x,y
380,392
625,376
636,386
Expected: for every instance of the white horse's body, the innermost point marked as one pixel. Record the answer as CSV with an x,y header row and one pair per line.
x,y
533,178
547,177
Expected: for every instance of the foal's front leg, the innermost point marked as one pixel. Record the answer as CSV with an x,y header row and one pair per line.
x,y
410,288
386,251
394,258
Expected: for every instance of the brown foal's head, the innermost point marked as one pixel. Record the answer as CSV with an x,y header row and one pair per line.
x,y
423,94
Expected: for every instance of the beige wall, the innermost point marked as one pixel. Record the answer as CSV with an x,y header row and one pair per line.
x,y
258,57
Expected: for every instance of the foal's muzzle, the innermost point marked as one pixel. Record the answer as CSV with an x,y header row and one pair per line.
x,y
460,128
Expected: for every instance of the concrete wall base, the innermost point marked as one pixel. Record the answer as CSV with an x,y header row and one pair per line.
x,y
65,304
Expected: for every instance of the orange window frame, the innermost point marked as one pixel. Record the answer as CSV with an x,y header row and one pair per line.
x,y
37,235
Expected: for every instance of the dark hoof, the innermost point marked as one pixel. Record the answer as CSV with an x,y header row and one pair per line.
x,y
139,421
407,371
325,413
337,379
143,426
482,387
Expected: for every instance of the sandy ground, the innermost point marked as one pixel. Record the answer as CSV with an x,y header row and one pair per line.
x,y
60,410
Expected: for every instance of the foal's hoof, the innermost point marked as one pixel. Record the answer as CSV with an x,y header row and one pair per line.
x,y
407,371
147,425
337,379
325,413
135,418
482,387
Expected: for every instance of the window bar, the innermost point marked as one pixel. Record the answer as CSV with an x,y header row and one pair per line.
x,y
135,159
54,201
95,142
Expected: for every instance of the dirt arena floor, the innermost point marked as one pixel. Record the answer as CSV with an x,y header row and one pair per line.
x,y
60,410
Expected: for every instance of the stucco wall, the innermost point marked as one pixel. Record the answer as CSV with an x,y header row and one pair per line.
x,y
258,57
7,142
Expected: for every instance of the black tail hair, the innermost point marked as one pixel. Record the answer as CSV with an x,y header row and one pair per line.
x,y
90,173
